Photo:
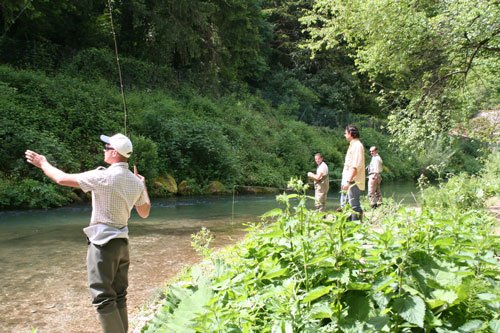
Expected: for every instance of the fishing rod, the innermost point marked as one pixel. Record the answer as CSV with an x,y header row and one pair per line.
x,y
110,7
122,90
15,19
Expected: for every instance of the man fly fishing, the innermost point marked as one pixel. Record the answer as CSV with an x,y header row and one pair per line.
x,y
115,191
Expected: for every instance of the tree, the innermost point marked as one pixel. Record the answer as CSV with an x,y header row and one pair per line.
x,y
424,58
322,90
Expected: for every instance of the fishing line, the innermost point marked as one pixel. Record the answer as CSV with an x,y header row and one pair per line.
x,y
232,209
116,54
15,19
119,67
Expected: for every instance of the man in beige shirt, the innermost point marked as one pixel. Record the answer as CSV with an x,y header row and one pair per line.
x,y
353,174
321,182
375,178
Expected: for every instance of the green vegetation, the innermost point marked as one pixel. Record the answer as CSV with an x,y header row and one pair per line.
x,y
242,92
402,270
432,63
236,139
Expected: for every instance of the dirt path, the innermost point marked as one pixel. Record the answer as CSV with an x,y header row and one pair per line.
x,y
494,208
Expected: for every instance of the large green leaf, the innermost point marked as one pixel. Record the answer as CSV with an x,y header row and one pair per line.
x,y
411,309
471,326
191,304
492,300
321,310
382,284
316,293
495,325
359,305
276,272
359,286
441,297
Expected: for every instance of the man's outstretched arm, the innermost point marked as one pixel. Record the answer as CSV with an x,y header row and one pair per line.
x,y
58,176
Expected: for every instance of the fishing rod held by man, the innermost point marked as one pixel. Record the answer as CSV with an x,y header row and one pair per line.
x,y
115,191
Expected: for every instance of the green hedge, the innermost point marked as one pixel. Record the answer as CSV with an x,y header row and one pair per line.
x,y
237,139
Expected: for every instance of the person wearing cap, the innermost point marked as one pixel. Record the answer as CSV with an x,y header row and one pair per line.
x,y
321,183
353,174
374,178
115,191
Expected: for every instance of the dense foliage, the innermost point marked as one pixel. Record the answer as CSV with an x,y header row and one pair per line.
x,y
402,270
433,63
222,90
237,139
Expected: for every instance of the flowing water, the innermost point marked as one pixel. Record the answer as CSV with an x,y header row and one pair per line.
x,y
42,254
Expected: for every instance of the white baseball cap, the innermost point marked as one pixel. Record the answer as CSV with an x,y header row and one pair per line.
x,y
120,143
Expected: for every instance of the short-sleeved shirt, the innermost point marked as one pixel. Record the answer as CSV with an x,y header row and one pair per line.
x,y
355,158
323,184
115,191
375,165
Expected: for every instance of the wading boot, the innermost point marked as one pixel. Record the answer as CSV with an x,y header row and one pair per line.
x,y
111,322
124,317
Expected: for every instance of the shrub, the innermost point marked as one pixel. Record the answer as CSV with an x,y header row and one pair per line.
x,y
304,271
100,64
30,193
465,192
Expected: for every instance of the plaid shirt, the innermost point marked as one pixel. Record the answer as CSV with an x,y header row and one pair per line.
x,y
115,191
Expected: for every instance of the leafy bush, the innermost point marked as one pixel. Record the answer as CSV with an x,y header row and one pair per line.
x,y
100,64
468,156
60,117
465,192
462,192
30,193
145,156
433,271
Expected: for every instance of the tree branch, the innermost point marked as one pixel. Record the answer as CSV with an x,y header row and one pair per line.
x,y
463,71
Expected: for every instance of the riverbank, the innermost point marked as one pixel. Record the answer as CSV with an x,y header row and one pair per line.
x,y
252,288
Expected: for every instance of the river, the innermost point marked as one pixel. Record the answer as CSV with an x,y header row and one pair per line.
x,y
42,255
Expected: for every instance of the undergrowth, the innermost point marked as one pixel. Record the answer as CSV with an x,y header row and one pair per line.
x,y
433,269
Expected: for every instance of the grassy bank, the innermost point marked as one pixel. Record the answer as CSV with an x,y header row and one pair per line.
x,y
185,142
434,269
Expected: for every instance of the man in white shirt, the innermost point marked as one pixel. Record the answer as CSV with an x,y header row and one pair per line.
x,y
375,178
353,174
321,182
115,191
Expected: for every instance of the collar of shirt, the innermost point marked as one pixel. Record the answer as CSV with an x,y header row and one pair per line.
x,y
353,141
118,165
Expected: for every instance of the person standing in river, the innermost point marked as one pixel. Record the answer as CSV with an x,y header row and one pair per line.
x,y
321,182
115,191
374,178
353,174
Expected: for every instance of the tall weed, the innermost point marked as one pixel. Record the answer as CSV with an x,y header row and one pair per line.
x,y
433,270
